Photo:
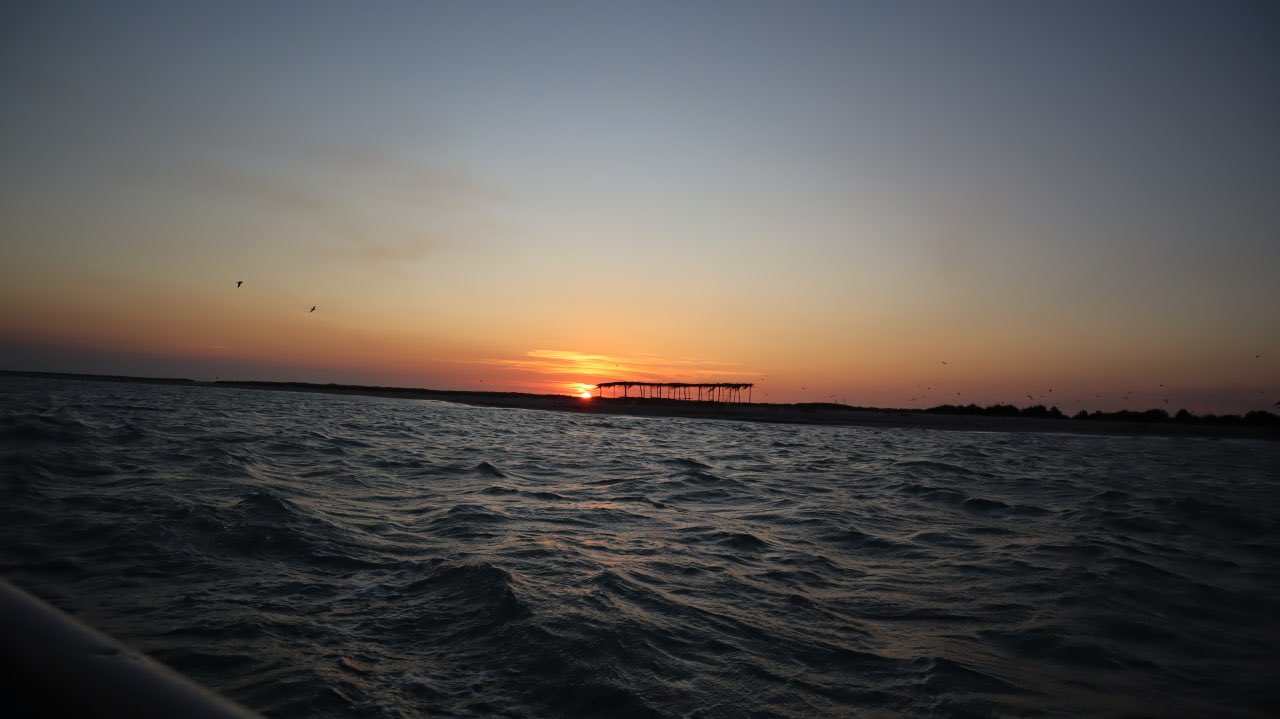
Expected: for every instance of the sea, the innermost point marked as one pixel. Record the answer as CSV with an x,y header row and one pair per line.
x,y
313,555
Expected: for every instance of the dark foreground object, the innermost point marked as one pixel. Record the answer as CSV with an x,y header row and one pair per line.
x,y
51,665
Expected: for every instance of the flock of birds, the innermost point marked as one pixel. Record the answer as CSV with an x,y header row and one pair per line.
x,y
241,282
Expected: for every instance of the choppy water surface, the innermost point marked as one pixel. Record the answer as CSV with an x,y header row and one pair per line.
x,y
328,555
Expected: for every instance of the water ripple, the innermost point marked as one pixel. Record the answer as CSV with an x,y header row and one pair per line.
x,y
315,555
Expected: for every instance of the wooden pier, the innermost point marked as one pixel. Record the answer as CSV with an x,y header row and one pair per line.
x,y
723,392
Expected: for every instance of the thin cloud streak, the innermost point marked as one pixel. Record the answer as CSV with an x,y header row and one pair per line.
x,y
357,205
557,365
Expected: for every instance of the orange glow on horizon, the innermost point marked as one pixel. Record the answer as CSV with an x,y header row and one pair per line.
x,y
539,370
578,389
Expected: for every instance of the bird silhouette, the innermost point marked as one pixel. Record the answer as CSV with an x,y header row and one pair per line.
x,y
1257,355
239,282
313,309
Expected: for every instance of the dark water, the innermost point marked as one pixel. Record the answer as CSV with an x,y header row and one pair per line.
x,y
314,555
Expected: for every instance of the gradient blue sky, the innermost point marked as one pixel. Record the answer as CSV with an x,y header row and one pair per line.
x,y
837,197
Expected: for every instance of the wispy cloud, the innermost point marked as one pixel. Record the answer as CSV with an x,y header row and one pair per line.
x,y
558,367
361,204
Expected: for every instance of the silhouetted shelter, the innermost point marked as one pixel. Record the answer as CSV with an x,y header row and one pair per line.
x,y
685,391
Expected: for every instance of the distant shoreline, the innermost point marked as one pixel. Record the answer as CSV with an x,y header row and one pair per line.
x,y
820,414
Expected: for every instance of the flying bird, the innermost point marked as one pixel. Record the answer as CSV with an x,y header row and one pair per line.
x,y
313,309
239,282
1257,355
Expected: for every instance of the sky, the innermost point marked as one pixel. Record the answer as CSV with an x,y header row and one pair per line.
x,y
879,203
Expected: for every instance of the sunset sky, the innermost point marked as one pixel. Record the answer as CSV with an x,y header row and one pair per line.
x,y
830,200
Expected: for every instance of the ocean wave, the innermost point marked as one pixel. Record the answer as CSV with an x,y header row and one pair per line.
x,y
331,556
488,470
56,428
932,467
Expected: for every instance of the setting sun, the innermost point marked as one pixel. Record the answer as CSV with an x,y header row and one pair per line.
x,y
955,311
